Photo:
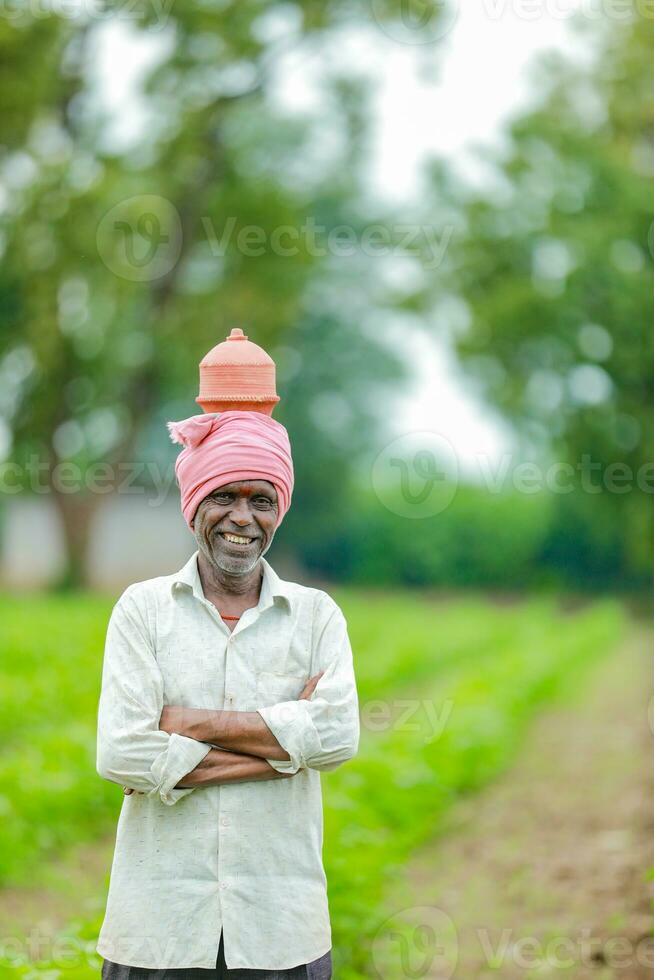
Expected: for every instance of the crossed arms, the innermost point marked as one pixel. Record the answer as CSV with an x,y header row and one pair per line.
x,y
243,743
238,731
169,751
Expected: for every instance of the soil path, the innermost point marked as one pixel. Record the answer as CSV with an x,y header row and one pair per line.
x,y
72,888
545,873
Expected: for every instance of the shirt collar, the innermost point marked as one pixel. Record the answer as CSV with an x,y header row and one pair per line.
x,y
272,586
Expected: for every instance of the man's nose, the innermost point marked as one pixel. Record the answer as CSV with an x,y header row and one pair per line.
x,y
241,513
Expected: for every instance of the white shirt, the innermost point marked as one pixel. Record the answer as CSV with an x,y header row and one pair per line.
x,y
245,857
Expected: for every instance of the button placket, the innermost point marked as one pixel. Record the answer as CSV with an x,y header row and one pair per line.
x,y
213,612
229,695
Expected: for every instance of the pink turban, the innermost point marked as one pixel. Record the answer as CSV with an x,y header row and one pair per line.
x,y
222,447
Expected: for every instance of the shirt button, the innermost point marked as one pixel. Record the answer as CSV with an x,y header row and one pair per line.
x,y
224,822
223,884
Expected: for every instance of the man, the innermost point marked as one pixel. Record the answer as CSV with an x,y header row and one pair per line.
x,y
225,692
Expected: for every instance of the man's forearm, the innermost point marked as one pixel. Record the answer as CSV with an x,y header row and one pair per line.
x,y
238,731
219,767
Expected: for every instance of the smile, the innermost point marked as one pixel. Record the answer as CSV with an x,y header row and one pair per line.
x,y
236,539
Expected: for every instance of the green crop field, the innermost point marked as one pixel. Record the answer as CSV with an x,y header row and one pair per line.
x,y
446,690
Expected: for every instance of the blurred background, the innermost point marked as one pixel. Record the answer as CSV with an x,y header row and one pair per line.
x,y
438,219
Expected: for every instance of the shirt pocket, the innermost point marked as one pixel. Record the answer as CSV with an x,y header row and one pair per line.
x,y
272,688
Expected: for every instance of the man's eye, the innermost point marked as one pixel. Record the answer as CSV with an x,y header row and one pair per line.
x,y
263,501
221,496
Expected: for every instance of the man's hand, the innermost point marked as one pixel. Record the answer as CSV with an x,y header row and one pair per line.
x,y
310,687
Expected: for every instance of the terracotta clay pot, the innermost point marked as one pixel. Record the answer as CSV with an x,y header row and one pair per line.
x,y
237,374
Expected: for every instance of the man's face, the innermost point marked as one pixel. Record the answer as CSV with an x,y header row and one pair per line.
x,y
236,523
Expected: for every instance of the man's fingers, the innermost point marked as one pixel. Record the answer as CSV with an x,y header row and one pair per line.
x,y
310,686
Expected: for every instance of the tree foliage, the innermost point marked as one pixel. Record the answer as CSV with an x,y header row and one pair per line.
x,y
554,263
97,337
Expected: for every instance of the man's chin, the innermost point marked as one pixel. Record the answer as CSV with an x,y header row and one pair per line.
x,y
235,564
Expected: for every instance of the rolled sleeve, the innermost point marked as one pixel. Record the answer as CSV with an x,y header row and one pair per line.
x,y
294,729
180,757
323,732
131,748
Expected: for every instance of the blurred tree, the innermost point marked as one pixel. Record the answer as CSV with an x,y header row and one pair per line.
x,y
340,375
126,259
553,260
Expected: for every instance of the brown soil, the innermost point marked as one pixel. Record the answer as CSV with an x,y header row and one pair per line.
x,y
544,874
70,889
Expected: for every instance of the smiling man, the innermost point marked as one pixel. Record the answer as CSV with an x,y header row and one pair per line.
x,y
225,692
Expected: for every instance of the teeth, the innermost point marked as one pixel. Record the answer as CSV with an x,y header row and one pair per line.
x,y
237,539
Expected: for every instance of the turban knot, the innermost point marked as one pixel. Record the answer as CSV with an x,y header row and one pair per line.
x,y
223,447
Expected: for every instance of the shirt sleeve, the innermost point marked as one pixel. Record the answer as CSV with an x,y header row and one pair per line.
x,y
323,732
131,748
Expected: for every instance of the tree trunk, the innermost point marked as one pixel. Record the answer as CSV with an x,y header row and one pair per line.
x,y
76,512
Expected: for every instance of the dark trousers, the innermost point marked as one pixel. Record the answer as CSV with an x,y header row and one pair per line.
x,y
320,969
